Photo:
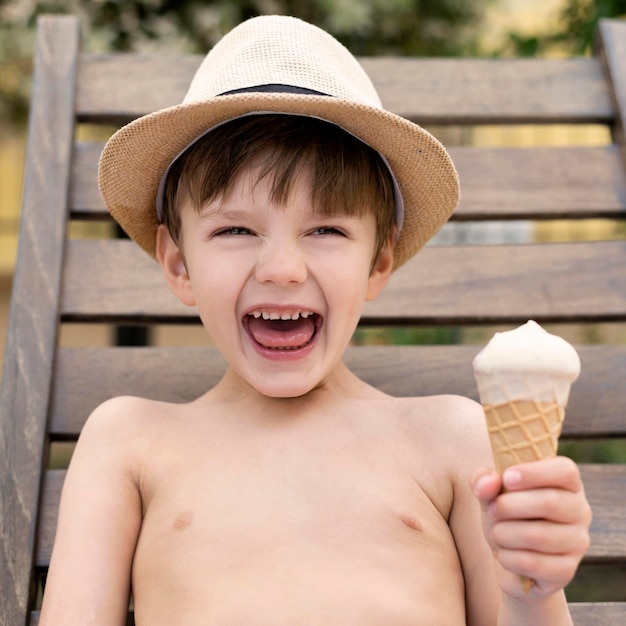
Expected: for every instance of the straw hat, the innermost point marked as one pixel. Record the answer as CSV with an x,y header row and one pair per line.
x,y
279,64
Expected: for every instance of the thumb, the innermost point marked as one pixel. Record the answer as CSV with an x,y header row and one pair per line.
x,y
486,484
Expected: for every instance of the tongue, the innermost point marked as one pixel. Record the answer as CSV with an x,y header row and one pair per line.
x,y
282,333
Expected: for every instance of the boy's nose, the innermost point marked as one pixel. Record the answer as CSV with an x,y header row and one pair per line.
x,y
281,264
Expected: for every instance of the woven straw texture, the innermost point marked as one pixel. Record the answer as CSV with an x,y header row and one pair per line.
x,y
288,51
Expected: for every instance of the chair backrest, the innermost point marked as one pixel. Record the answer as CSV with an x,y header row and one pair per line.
x,y
493,267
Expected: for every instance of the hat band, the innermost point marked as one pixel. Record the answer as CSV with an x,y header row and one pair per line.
x,y
279,88
275,88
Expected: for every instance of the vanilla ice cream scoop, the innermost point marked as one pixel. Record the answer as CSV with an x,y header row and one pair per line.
x,y
529,348
535,364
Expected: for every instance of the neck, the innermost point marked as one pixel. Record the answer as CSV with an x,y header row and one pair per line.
x,y
342,384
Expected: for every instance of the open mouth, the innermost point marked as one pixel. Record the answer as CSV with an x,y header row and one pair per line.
x,y
285,331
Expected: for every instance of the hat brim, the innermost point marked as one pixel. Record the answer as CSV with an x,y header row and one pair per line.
x,y
135,158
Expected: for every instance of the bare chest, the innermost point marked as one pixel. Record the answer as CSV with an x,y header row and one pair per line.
x,y
315,523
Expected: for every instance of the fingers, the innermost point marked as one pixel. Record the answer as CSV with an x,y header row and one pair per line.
x,y
540,537
536,520
556,505
558,472
549,572
551,490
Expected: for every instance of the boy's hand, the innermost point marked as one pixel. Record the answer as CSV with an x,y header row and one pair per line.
x,y
536,519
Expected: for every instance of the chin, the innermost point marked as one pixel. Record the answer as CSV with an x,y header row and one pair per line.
x,y
271,391
273,388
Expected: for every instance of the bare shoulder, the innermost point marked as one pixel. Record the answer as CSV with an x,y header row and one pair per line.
x,y
453,425
445,414
117,416
118,426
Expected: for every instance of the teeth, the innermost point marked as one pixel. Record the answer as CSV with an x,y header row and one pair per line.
x,y
273,315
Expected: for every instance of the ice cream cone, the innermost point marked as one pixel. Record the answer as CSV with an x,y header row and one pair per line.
x,y
524,378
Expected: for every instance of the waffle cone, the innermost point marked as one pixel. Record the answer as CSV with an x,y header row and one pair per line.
x,y
524,415
523,430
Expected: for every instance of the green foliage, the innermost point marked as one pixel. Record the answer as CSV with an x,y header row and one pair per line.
x,y
600,451
372,26
406,335
578,23
427,27
15,64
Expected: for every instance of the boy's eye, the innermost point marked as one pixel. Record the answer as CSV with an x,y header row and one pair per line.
x,y
328,230
233,231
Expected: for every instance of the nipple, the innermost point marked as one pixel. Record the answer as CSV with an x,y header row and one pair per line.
x,y
411,521
182,520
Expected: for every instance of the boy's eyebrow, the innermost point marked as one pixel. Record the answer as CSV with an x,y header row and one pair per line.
x,y
234,214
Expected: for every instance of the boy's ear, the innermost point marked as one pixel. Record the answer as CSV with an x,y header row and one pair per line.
x,y
381,271
172,263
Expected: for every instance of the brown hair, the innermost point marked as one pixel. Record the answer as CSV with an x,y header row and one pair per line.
x,y
347,176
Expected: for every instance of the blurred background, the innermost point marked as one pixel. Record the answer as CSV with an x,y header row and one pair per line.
x,y
403,27
487,28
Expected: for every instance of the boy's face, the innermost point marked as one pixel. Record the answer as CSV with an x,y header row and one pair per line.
x,y
280,289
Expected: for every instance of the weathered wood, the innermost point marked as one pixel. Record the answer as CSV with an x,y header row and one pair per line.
x,y
604,486
583,614
441,285
88,376
513,283
602,482
34,309
492,91
540,183
431,91
611,50
497,183
598,613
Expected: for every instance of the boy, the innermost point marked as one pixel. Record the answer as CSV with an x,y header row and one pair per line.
x,y
277,199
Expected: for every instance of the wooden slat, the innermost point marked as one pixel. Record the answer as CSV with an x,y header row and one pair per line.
x,y
479,284
602,482
583,614
34,309
550,282
432,91
497,183
598,613
492,91
88,376
540,183
608,527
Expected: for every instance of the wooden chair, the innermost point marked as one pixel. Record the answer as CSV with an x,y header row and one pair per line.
x,y
459,290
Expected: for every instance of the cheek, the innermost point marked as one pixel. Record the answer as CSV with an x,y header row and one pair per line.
x,y
215,290
348,289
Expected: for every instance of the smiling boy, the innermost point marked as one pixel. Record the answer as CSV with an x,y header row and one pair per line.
x,y
278,198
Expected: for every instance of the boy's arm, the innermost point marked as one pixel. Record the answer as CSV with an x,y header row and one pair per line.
x,y
99,521
482,593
